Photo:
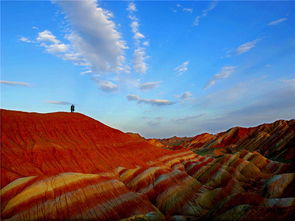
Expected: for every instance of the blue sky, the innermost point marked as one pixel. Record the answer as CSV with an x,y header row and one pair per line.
x,y
159,68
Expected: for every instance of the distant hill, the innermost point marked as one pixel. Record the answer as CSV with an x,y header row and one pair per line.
x,y
275,140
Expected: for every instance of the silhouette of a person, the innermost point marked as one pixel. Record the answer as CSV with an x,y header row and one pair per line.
x,y
72,108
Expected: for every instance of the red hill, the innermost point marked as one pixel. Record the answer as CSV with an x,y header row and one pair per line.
x,y
47,144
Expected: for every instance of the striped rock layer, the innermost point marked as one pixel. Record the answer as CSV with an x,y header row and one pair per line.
x,y
66,166
275,140
182,186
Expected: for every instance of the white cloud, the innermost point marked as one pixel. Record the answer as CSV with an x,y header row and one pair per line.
x,y
149,85
47,36
135,29
94,42
197,20
157,102
189,118
138,35
225,72
139,54
86,72
212,5
75,57
246,47
188,10
54,46
133,97
290,81
182,68
94,37
59,102
146,43
15,83
243,48
139,60
24,39
185,96
278,21
205,12
131,7
107,86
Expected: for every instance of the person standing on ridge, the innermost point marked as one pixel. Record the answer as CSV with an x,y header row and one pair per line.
x,y
72,108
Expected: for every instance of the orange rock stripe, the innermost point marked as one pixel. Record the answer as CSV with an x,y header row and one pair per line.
x,y
124,205
171,196
187,196
135,174
147,176
16,186
34,195
192,170
75,202
172,156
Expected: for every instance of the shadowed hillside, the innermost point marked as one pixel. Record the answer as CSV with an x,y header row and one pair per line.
x,y
275,140
67,166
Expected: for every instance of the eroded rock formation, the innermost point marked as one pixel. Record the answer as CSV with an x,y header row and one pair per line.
x,y
65,166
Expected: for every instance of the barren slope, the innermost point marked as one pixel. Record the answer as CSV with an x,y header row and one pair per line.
x,y
46,144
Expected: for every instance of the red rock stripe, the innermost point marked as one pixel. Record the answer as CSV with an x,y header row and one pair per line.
x,y
147,188
198,166
47,195
123,206
122,171
168,182
135,174
18,188
187,197
179,158
146,180
75,202
210,172
178,166
173,156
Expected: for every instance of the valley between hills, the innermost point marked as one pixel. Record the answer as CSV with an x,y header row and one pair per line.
x,y
67,166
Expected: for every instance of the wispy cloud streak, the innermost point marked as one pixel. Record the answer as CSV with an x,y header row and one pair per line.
x,y
185,96
278,21
205,12
107,86
59,102
182,68
139,54
225,72
246,47
157,102
15,83
149,85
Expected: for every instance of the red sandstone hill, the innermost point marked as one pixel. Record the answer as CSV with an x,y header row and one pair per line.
x,y
46,144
